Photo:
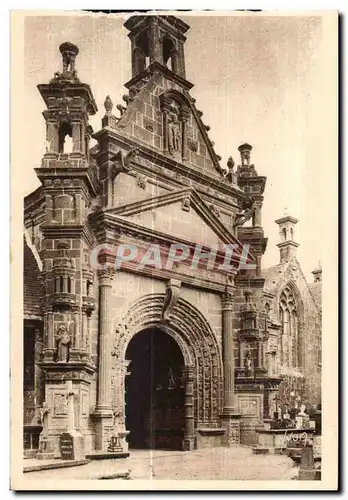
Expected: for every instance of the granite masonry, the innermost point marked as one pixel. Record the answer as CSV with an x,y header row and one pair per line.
x,y
177,357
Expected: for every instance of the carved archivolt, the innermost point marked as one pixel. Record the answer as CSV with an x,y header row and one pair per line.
x,y
191,331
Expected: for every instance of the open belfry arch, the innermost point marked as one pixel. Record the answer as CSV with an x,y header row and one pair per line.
x,y
152,179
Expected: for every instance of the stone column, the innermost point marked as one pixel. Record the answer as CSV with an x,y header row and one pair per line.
x,y
165,131
230,414
189,438
258,211
49,337
76,137
103,410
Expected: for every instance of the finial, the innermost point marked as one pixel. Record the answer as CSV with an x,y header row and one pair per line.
x,y
245,150
108,105
69,52
286,211
230,163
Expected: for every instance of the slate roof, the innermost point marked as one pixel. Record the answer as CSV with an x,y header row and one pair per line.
x,y
32,288
272,275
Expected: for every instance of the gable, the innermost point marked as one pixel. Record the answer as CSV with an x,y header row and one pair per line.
x,y
182,214
173,220
163,116
280,275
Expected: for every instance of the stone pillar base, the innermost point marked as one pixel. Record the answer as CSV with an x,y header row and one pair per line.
x,y
231,423
46,449
188,444
104,429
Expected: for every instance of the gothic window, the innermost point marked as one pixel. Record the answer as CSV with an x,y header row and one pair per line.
x,y
288,315
284,233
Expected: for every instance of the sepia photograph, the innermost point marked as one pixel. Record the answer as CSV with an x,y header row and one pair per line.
x,y
174,239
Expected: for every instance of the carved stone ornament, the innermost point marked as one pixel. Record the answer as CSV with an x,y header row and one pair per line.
x,y
108,105
148,125
215,210
192,145
186,203
247,213
171,299
141,181
122,162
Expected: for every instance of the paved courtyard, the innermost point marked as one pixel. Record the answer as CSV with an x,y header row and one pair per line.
x,y
217,463
213,463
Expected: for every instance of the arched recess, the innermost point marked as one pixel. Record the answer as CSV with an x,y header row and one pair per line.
x,y
291,310
188,327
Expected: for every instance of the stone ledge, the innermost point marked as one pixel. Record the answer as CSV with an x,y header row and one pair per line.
x,y
53,465
205,431
106,455
271,450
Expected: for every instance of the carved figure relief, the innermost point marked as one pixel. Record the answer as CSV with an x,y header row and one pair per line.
x,y
248,363
174,134
172,297
247,213
63,343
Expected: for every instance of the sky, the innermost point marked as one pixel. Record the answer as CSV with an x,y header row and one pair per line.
x,y
258,79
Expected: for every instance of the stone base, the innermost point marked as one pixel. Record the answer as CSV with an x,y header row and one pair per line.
x,y
46,448
103,429
107,455
210,437
189,444
309,475
231,424
78,445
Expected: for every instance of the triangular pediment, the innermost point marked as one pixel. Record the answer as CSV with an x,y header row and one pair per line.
x,y
180,134
181,214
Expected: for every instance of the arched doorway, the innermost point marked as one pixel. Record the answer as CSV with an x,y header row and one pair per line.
x,y
155,391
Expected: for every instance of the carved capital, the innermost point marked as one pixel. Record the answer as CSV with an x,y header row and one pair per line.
x,y
106,276
227,300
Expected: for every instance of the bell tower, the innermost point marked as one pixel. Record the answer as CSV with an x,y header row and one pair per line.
x,y
287,245
69,185
157,39
69,104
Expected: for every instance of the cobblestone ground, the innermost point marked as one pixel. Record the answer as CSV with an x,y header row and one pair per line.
x,y
211,464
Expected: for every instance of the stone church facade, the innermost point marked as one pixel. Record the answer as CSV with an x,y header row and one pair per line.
x,y
181,356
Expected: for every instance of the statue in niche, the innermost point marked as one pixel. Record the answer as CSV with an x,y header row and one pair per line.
x,y
174,138
248,362
63,342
